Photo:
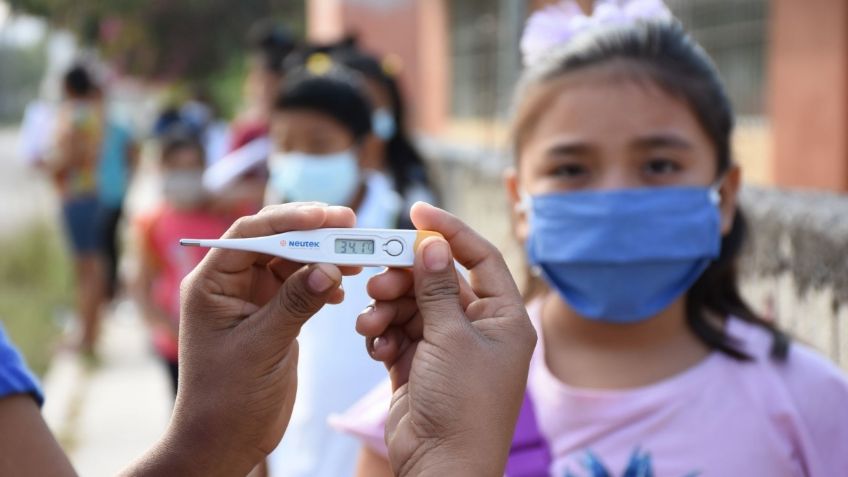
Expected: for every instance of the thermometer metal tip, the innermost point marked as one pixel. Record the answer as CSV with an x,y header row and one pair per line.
x,y
190,242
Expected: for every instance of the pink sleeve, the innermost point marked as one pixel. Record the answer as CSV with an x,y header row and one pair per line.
x,y
366,420
820,392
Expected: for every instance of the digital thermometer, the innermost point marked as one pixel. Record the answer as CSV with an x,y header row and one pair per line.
x,y
354,247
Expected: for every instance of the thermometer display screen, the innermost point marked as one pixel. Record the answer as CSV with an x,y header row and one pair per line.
x,y
355,247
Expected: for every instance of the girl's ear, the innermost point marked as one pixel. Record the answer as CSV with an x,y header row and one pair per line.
x,y
518,213
729,192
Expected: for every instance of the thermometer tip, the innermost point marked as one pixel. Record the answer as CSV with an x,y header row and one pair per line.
x,y
189,242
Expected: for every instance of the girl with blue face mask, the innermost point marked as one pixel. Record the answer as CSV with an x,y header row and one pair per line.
x,y
319,122
649,361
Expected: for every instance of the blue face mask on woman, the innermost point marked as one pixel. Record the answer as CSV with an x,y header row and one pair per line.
x,y
330,178
624,256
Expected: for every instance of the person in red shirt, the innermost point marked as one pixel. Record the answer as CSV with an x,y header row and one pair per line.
x,y
186,211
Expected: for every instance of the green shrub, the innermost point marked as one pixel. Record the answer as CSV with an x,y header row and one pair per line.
x,y
35,283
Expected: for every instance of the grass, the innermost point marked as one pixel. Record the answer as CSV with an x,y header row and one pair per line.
x,y
35,282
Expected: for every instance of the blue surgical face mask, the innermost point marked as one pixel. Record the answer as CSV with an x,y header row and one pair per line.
x,y
383,124
624,256
301,177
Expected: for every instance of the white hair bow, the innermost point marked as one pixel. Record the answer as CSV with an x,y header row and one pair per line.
x,y
557,24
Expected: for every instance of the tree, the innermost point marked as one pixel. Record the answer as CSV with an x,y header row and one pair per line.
x,y
163,39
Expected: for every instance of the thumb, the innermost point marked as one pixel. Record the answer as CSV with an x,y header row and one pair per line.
x,y
302,294
437,288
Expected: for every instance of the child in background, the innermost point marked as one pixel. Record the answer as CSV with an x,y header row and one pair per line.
x,y
320,121
184,212
73,163
649,362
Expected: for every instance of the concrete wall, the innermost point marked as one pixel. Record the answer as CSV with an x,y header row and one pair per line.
x,y
795,269
796,264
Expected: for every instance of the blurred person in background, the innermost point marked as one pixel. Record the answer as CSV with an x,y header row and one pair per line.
x,y
390,146
202,114
198,115
269,44
168,118
320,122
73,163
185,211
119,154
240,176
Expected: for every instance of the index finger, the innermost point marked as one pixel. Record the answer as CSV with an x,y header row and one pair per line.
x,y
274,220
490,276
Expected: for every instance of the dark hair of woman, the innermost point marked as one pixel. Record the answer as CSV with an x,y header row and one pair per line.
x,y
334,91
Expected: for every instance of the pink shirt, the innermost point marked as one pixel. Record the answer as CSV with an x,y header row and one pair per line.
x,y
162,231
721,417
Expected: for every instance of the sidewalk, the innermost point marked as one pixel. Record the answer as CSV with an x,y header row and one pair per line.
x,y
107,415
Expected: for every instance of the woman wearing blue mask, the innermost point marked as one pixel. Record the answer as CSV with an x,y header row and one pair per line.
x,y
649,361
318,126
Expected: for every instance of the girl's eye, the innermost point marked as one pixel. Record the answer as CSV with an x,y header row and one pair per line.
x,y
570,170
659,167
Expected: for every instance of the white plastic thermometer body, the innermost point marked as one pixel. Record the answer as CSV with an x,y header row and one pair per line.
x,y
353,247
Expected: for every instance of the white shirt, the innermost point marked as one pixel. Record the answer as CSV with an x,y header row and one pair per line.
x,y
36,131
334,370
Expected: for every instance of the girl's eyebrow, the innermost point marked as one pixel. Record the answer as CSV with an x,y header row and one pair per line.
x,y
668,140
569,149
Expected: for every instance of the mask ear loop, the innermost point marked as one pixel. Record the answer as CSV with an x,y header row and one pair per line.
x,y
525,204
715,189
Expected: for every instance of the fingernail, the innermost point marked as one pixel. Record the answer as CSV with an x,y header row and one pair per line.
x,y
436,255
319,281
368,309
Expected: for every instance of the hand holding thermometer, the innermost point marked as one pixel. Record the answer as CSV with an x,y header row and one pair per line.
x,y
350,247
